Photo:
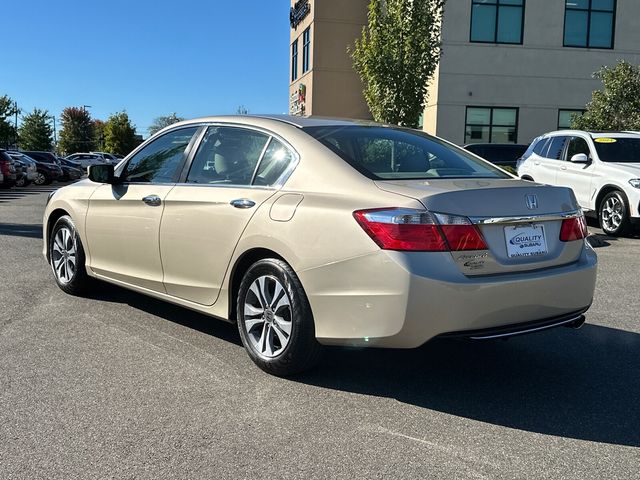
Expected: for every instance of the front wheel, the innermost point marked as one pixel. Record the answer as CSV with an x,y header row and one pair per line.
x,y
275,320
67,258
614,214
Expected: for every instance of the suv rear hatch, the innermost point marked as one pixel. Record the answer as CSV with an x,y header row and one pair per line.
x,y
526,226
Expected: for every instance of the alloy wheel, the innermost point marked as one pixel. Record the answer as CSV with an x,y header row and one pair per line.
x,y
612,214
64,255
40,179
267,316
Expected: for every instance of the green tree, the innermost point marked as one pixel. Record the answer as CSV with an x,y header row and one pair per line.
x,y
396,57
77,134
98,135
36,132
119,134
160,122
617,105
8,133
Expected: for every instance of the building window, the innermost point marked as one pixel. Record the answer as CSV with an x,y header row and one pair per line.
x,y
589,23
306,49
491,125
294,60
497,21
566,116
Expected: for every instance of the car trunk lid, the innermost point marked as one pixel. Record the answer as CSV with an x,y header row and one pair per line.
x,y
520,221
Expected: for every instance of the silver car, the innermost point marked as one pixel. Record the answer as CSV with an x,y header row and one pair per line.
x,y
309,232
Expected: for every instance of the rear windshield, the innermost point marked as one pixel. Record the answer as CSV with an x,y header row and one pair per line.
x,y
389,153
619,149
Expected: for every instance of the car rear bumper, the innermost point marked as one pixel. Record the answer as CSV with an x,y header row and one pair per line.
x,y
402,300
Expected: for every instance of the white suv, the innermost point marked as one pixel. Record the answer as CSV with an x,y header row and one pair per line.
x,y
603,169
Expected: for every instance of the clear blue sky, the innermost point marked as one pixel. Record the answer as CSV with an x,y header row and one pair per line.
x,y
192,57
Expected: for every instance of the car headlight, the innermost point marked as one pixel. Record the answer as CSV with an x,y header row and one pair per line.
x,y
635,182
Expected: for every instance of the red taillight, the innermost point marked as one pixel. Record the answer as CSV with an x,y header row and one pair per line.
x,y
463,237
419,230
5,167
573,229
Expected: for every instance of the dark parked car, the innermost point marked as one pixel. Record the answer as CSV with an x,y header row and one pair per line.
x,y
48,168
501,154
8,175
69,170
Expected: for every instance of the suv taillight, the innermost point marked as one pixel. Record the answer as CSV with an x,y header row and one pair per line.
x,y
5,167
419,230
573,229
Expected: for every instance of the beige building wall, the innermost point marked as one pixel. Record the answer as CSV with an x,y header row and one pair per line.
x,y
539,77
332,87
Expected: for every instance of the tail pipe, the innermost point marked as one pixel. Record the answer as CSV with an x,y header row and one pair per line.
x,y
577,323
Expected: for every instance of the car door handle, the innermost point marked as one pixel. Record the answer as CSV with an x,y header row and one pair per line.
x,y
536,163
152,200
243,203
563,168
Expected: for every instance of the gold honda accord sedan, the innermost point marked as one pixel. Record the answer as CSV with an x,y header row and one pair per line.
x,y
314,231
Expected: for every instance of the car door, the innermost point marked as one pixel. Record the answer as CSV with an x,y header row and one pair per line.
x,y
577,176
123,219
546,164
232,173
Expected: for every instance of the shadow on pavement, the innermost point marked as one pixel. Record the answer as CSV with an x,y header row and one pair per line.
x,y
599,240
21,230
579,384
107,292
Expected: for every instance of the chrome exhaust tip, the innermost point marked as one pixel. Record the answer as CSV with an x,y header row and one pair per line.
x,y
577,323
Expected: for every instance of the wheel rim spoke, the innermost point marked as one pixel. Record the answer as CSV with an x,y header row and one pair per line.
x,y
256,291
57,262
251,311
283,325
278,292
283,302
282,336
268,342
251,323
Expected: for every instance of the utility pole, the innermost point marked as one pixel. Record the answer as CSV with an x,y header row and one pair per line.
x,y
55,135
15,131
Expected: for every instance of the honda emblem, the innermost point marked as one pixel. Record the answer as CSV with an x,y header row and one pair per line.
x,y
532,202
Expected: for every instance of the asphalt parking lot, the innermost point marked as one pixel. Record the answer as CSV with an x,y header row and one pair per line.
x,y
124,386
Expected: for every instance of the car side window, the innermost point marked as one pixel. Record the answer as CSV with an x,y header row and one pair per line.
x,y
227,155
540,146
556,148
577,145
276,160
158,162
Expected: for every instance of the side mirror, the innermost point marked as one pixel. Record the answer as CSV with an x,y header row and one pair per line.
x,y
580,158
101,173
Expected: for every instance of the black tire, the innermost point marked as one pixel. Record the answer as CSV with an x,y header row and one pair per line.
x,y
613,214
302,351
78,282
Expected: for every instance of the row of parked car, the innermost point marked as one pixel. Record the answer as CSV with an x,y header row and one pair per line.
x,y
602,169
21,168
